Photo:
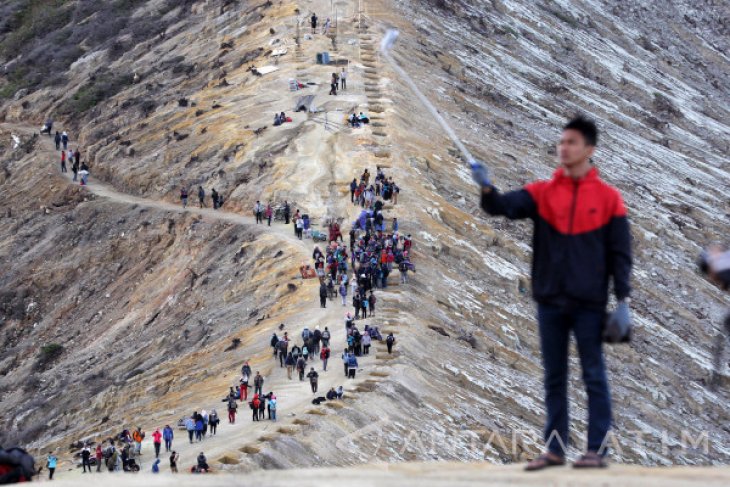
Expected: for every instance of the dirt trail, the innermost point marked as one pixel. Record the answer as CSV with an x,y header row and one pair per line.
x,y
316,155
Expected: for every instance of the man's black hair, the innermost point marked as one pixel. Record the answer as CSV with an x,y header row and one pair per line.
x,y
586,127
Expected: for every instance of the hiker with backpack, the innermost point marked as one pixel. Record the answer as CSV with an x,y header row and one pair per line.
x,y
352,366
283,346
389,342
232,408
313,378
213,422
64,140
581,239
324,355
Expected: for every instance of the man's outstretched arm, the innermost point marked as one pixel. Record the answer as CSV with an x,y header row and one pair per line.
x,y
513,205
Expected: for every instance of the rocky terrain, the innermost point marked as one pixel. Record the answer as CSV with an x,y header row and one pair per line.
x,y
119,309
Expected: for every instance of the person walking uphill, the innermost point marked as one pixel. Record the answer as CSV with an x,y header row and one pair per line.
x,y
581,239
313,378
232,408
323,295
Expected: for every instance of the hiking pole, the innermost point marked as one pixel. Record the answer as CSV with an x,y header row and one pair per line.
x,y
385,46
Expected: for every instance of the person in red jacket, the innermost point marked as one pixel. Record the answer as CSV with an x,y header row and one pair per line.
x,y
581,240
99,454
255,404
157,442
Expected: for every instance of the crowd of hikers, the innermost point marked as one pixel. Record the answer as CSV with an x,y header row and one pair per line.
x,y
70,157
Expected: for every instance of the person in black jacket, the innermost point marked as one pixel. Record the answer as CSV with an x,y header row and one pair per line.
x,y
581,240
323,295
313,378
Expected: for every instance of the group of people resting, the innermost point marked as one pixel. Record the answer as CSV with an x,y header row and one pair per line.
x,y
356,120
280,118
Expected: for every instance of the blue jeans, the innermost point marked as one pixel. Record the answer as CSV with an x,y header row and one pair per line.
x,y
555,326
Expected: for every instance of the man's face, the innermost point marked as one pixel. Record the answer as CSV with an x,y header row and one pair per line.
x,y
573,149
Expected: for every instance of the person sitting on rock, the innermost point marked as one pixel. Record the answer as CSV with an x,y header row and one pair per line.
x,y
203,463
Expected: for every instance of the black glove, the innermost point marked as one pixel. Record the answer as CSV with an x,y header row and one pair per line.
x,y
618,327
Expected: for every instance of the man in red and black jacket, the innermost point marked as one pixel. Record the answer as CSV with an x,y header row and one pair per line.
x,y
581,239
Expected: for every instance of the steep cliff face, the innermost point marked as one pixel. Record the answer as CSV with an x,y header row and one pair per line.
x,y
119,309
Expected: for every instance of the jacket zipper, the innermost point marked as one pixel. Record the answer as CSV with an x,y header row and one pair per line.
x,y
572,207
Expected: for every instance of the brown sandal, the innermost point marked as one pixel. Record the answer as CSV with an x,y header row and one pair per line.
x,y
544,461
590,460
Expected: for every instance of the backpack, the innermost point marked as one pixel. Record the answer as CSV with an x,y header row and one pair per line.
x,y
390,339
16,465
